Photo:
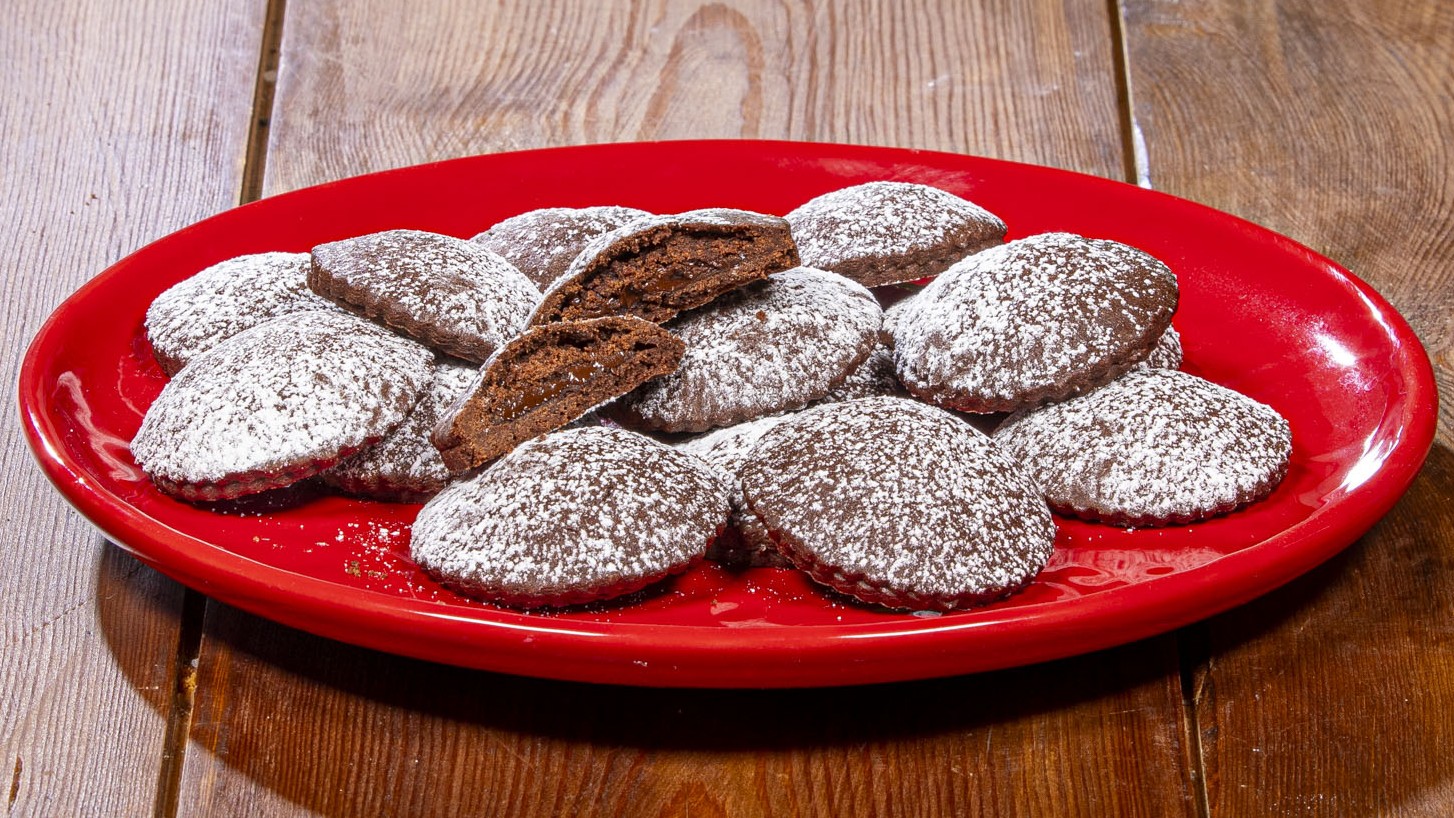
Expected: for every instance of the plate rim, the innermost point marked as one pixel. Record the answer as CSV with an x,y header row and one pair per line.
x,y
528,644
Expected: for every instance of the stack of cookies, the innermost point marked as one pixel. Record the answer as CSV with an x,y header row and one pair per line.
x,y
593,399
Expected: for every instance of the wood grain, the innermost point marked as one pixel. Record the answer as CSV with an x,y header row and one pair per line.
x,y
1329,122
368,85
122,123
287,723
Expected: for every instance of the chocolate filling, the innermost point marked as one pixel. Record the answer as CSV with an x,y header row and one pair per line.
x,y
549,377
669,267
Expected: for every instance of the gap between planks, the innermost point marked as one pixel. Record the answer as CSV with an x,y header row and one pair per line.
x,y
194,604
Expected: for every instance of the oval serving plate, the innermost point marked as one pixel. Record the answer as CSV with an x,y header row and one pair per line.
x,y
1259,313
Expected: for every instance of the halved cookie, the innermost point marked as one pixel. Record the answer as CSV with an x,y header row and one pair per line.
x,y
571,517
1038,319
547,378
542,243
449,294
1156,446
887,232
655,268
278,403
898,503
768,347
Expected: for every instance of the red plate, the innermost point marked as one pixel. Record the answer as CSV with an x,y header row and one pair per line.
x,y
1259,313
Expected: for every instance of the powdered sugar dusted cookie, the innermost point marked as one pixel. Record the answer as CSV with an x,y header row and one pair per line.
x,y
1038,319
196,314
872,378
405,466
766,348
747,542
898,503
278,403
453,295
657,267
1155,446
571,517
887,232
1167,352
549,377
542,243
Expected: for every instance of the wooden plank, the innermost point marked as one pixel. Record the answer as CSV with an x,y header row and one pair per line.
x,y
1329,122
287,723
370,85
121,125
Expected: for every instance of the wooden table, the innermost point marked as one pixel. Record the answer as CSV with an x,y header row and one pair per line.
x,y
1328,120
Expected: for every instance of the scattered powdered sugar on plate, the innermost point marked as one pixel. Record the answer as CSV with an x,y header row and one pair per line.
x,y
298,389
197,313
1032,320
765,348
1155,446
899,503
571,516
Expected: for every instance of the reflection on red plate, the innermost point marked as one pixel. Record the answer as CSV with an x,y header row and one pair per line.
x,y
1258,313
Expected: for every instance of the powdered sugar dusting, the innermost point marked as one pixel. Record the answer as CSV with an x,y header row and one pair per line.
x,y
872,378
902,496
1155,445
405,461
542,243
1015,323
437,288
571,513
199,312
1167,352
728,448
879,219
303,387
764,348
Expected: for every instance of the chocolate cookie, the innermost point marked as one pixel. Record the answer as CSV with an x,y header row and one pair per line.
x,y
654,268
542,243
1156,446
278,403
196,314
746,542
887,232
405,466
873,378
547,378
898,503
453,295
765,348
571,517
1167,352
1038,319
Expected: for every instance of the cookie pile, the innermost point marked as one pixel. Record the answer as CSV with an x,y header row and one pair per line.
x,y
593,399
